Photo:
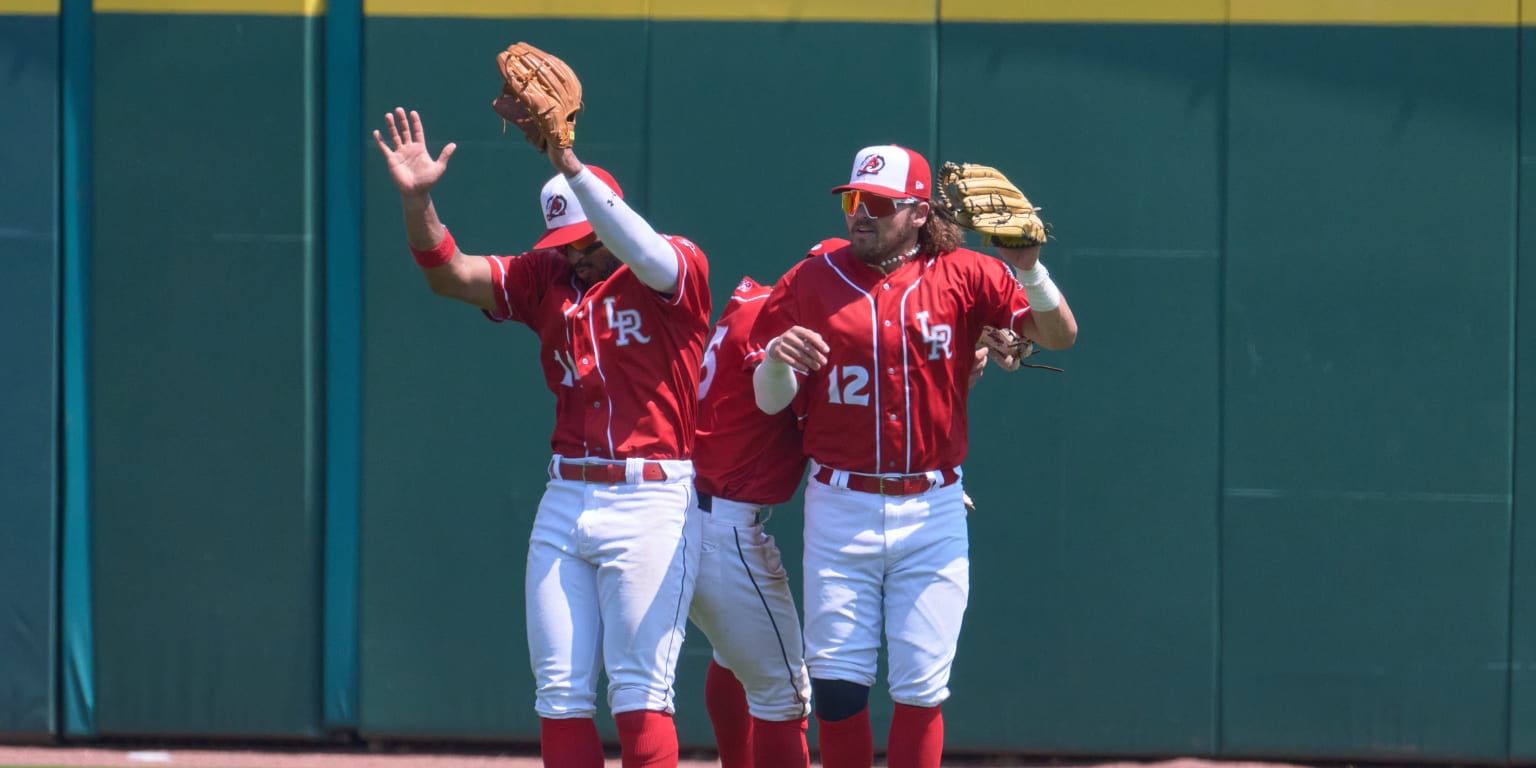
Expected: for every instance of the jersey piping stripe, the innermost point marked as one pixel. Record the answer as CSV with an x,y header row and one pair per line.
x,y
789,668
1013,322
570,344
682,272
581,293
874,345
679,611
506,295
906,373
597,362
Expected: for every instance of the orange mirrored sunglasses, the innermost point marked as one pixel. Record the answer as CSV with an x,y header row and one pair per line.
x,y
875,206
586,244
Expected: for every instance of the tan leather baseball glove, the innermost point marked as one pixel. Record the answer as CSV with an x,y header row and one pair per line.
x,y
540,95
982,199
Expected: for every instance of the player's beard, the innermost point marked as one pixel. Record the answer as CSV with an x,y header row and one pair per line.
x,y
595,267
878,243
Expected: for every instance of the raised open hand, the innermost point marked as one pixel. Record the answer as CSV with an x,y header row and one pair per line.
x,y
410,164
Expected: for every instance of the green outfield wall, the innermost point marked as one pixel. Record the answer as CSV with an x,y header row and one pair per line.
x,y
206,522
1274,507
1366,494
1522,657
29,368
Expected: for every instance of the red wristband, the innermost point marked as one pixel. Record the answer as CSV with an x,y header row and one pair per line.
x,y
437,255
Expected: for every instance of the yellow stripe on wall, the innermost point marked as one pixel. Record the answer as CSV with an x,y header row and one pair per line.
x,y
244,7
888,11
29,7
1450,13
508,9
1314,12
1319,12
1088,11
920,11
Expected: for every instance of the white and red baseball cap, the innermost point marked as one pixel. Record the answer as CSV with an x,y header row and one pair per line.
x,y
564,219
889,170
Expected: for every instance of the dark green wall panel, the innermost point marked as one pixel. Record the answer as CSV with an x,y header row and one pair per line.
x,y
1094,557
1364,627
206,521
456,417
29,311
1367,392
1522,737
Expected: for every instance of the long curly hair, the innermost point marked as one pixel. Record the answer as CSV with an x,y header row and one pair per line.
x,y
940,234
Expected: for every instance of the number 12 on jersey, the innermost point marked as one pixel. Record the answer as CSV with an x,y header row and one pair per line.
x,y
847,385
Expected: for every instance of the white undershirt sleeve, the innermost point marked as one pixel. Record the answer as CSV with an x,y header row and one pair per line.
x,y
627,233
774,385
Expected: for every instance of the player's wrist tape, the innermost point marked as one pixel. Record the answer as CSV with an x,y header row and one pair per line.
x,y
1041,291
439,254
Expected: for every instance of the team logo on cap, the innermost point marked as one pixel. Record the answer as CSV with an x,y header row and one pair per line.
x,y
555,208
871,164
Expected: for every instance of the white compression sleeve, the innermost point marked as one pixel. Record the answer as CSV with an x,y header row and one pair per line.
x,y
626,233
774,384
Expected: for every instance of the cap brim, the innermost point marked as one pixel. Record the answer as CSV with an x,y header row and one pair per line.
x,y
570,233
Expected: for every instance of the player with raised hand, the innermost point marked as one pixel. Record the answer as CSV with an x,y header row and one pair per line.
x,y
621,313
874,343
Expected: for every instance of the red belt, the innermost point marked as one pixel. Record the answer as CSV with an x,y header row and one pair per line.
x,y
889,485
612,474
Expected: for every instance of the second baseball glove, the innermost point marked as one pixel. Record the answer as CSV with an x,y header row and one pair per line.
x,y
1008,349
540,95
983,200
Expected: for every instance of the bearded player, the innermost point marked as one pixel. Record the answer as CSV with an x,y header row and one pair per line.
x,y
873,343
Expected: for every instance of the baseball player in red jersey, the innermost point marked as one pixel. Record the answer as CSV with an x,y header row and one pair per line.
x,y
757,691
874,343
621,313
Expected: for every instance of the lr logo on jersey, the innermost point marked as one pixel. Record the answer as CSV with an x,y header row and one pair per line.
x,y
937,336
626,322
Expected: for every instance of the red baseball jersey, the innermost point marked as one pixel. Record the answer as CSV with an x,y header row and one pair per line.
x,y
622,359
892,396
741,453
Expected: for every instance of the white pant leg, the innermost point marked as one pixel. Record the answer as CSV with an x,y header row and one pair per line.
x,y
744,606
563,624
844,575
644,541
926,590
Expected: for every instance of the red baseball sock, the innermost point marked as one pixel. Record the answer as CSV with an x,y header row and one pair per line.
x,y
570,743
917,737
780,743
648,739
847,743
726,702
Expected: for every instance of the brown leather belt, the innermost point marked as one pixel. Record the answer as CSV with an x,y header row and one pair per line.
x,y
612,474
889,485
